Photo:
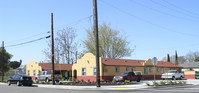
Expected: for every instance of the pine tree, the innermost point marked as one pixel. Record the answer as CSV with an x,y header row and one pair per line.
x,y
168,58
176,58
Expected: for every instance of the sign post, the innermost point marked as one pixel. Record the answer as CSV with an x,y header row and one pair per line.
x,y
154,62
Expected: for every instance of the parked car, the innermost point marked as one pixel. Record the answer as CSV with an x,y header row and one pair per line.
x,y
132,76
172,74
47,76
20,80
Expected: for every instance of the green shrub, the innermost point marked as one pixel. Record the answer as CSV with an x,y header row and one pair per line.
x,y
42,82
60,83
70,79
180,82
36,82
184,82
47,82
88,81
148,84
67,83
81,80
162,83
155,83
171,82
102,80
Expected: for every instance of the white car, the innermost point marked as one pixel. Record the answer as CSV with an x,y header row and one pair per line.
x,y
172,74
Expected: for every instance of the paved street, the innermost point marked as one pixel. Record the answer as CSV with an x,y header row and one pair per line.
x,y
35,89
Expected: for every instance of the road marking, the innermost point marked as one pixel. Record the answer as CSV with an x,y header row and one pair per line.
x,y
123,88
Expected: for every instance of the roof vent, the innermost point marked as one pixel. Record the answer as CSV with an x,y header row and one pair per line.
x,y
105,59
125,61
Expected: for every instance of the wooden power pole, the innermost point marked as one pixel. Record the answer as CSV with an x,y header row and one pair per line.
x,y
97,43
52,51
2,79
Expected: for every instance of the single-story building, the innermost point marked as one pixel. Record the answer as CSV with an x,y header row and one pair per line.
x,y
85,68
33,68
191,70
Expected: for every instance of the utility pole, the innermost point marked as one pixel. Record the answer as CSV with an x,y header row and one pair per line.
x,y
52,50
97,43
2,79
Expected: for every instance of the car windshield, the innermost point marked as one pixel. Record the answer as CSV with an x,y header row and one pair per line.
x,y
171,71
124,73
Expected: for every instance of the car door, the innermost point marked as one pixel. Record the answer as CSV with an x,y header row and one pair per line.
x,y
41,75
131,76
12,79
16,78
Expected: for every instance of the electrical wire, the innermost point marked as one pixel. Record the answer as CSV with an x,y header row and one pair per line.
x,y
157,3
180,8
27,37
169,14
147,21
28,41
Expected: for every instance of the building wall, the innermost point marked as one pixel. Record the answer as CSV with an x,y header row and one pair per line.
x,y
88,61
31,66
189,75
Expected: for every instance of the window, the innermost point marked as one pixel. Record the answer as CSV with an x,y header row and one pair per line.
x,y
94,71
127,69
105,70
146,70
83,71
34,72
150,69
28,72
117,69
162,70
133,69
157,69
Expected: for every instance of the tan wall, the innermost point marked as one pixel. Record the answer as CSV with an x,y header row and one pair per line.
x,y
189,72
88,61
111,70
31,66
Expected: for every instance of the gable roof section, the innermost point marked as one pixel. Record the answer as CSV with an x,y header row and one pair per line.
x,y
127,62
122,62
191,65
48,66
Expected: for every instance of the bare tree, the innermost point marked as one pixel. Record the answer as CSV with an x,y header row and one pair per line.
x,y
65,46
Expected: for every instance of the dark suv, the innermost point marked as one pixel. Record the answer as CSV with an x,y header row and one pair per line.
x,y
20,80
132,76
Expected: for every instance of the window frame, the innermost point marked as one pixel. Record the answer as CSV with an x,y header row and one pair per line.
x,y
83,72
94,71
146,69
117,69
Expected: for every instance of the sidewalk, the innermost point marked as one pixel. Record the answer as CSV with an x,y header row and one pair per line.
x,y
140,85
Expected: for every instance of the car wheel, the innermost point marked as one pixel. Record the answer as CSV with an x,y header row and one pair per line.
x,y
30,85
18,83
47,80
8,83
138,80
173,78
180,78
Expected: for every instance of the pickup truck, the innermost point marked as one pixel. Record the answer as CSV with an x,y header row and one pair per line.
x,y
172,74
47,76
132,76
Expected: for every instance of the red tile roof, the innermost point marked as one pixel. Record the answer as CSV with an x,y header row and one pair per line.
x,y
48,66
122,62
127,62
167,64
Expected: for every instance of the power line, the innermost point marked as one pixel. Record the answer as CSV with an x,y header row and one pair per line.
x,y
169,14
78,21
27,37
173,9
181,8
147,21
28,41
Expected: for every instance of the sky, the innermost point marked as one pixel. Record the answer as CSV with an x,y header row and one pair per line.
x,y
154,28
